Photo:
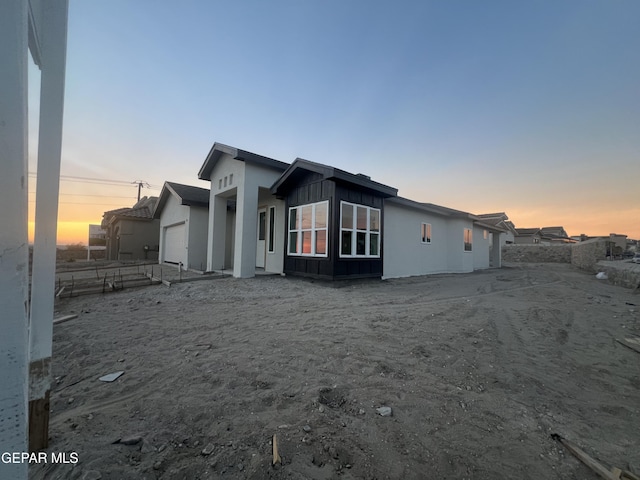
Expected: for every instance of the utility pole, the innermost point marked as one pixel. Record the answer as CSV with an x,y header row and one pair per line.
x,y
140,184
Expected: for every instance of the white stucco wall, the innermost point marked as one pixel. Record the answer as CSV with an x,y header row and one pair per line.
x,y
274,261
218,224
481,248
197,240
173,214
459,260
195,220
229,239
507,238
404,254
244,182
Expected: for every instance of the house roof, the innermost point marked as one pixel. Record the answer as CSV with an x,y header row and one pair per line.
x,y
219,149
429,207
300,166
493,217
445,212
553,231
555,234
500,220
527,231
142,210
186,194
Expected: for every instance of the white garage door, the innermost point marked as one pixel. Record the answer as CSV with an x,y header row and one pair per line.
x,y
174,248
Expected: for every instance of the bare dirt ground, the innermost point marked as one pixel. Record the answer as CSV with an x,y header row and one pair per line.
x,y
478,370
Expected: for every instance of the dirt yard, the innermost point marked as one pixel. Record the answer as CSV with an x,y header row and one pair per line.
x,y
478,370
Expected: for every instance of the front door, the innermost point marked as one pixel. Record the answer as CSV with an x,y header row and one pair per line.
x,y
262,234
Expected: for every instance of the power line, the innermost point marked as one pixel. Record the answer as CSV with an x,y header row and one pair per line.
x,y
106,181
74,178
83,203
130,197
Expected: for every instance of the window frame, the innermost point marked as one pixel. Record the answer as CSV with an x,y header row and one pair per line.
x,y
271,235
313,230
368,233
425,233
468,235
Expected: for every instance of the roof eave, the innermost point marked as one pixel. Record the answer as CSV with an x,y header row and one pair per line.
x,y
491,228
331,173
212,158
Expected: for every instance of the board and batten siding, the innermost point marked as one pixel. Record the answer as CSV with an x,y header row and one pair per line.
x,y
313,188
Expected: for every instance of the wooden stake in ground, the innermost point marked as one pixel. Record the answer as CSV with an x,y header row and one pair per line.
x,y
276,456
614,474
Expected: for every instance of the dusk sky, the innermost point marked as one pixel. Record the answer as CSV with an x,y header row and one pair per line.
x,y
531,108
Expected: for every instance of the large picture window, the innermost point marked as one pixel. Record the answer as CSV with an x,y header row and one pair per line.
x,y
308,229
468,239
359,231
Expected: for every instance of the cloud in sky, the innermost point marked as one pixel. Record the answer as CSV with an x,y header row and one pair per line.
x,y
528,108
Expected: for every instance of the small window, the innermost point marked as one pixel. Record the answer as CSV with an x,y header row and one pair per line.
x,y
426,233
485,234
225,181
468,239
230,178
219,184
272,227
262,225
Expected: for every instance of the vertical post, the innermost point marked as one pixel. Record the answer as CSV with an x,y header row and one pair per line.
x,y
14,249
52,31
216,232
244,261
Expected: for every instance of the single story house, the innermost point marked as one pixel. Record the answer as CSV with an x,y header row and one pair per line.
x,y
501,220
183,212
132,232
528,236
315,220
554,236
542,236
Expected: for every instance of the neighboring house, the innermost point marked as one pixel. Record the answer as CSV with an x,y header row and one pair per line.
x,y
617,243
132,233
183,211
501,220
554,235
315,220
619,240
527,236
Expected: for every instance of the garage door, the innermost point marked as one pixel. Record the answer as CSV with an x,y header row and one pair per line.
x,y
174,248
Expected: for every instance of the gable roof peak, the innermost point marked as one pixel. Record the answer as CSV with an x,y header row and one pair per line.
x,y
220,149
